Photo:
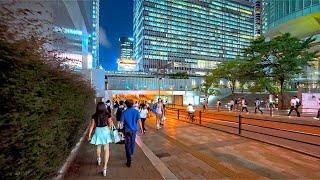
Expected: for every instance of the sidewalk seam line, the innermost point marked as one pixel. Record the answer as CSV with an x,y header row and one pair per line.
x,y
155,161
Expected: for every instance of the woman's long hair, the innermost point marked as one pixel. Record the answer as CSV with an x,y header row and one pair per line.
x,y
102,114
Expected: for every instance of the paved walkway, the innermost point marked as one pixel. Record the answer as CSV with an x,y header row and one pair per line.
x,y
195,152
186,151
85,166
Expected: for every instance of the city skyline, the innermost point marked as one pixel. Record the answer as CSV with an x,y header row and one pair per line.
x,y
115,22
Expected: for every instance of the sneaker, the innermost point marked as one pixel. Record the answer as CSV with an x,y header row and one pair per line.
x,y
99,161
316,118
104,172
128,164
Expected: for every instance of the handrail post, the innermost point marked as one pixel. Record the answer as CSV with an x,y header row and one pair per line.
x,y
200,116
270,110
239,122
178,114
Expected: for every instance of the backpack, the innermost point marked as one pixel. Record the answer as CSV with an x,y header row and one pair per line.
x,y
298,103
119,113
154,108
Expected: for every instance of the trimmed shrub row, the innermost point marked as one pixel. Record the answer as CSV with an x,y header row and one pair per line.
x,y
44,109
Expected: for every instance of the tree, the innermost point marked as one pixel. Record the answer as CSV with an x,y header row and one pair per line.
x,y
206,88
231,72
280,60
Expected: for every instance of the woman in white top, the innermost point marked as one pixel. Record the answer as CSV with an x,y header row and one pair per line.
x,y
143,116
159,113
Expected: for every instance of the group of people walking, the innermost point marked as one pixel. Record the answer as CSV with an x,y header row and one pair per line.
x,y
130,117
241,105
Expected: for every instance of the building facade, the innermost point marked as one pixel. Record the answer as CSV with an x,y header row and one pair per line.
x,y
301,18
125,60
74,25
192,36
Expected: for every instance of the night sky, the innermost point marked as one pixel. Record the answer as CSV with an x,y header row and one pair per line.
x,y
115,21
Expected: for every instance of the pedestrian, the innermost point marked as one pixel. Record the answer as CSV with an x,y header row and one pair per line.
x,y
143,116
190,111
257,104
218,105
239,104
204,105
102,122
318,115
244,105
116,105
108,104
136,105
158,109
119,111
231,104
294,104
130,118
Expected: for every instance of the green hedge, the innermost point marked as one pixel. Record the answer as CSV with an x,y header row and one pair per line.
x,y
44,110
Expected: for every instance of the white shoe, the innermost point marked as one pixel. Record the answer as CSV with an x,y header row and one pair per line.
x,y
99,161
104,172
316,118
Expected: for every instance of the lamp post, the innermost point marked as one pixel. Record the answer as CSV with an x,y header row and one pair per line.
x,y
159,81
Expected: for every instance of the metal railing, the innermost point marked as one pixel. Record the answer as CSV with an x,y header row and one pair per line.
x,y
297,135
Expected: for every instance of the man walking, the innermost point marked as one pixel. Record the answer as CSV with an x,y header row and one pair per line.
x,y
257,104
130,118
294,104
158,109
244,105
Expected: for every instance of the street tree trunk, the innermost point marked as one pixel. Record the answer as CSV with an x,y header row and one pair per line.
x,y
281,98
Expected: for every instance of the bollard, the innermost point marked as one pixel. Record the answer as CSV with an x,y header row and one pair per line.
x,y
239,122
200,117
178,114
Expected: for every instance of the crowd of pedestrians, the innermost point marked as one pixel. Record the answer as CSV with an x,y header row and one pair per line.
x,y
129,116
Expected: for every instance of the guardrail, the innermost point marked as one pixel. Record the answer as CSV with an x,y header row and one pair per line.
x,y
302,136
271,111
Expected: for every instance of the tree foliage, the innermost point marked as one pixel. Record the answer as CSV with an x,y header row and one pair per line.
x,y
279,60
268,65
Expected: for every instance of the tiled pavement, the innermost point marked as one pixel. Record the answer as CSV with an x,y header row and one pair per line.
x,y
85,167
199,152
194,152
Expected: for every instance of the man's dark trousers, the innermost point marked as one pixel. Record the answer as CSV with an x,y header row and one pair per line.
x,y
130,144
294,108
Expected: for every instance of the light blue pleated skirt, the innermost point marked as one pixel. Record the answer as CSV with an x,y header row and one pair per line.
x,y
102,135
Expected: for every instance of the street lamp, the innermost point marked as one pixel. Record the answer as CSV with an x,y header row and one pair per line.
x,y
159,85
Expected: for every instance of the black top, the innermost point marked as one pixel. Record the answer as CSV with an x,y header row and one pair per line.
x,y
101,120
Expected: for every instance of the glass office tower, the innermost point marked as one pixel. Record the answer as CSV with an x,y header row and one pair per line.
x,y
192,36
126,61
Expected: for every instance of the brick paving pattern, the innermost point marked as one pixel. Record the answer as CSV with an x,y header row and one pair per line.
x,y
85,165
244,157
194,152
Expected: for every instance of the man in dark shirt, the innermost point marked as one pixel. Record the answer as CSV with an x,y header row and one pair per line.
x,y
130,118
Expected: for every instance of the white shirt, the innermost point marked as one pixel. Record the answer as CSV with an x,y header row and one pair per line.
x,y
143,113
231,102
190,109
293,102
159,108
136,106
257,103
243,103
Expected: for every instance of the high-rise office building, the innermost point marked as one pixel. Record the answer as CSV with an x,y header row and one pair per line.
x,y
301,18
257,17
193,36
95,33
126,48
75,22
126,61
